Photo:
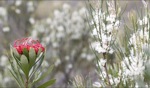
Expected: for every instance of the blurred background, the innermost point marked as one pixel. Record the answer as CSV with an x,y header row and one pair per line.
x,y
61,26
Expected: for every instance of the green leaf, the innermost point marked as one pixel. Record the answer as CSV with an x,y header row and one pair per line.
x,y
15,52
45,74
16,74
32,57
32,53
24,64
20,75
17,61
48,83
41,56
16,79
24,60
37,64
26,53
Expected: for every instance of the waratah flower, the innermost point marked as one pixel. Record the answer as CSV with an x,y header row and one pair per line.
x,y
27,57
27,53
27,43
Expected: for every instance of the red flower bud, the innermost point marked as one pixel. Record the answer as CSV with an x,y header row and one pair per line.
x,y
27,43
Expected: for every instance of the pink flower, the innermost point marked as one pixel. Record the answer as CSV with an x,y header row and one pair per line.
x,y
27,43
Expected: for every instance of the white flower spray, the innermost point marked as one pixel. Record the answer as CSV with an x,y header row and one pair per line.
x,y
134,64
106,24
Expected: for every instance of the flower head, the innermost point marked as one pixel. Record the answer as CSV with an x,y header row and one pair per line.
x,y
27,43
27,52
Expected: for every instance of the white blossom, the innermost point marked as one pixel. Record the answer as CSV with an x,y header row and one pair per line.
x,y
111,18
48,20
96,46
66,7
18,3
103,31
30,6
18,11
32,21
144,3
6,29
134,64
143,21
3,11
97,84
58,61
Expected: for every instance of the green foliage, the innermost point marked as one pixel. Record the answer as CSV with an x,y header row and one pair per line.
x,y
26,53
15,53
48,83
24,65
32,57
29,64
44,75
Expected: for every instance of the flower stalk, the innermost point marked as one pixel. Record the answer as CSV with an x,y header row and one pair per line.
x,y
27,82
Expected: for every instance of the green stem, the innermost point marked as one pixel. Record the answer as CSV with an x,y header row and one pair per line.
x,y
27,82
105,66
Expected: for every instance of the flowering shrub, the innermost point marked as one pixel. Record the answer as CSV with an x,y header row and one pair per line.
x,y
106,25
131,70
